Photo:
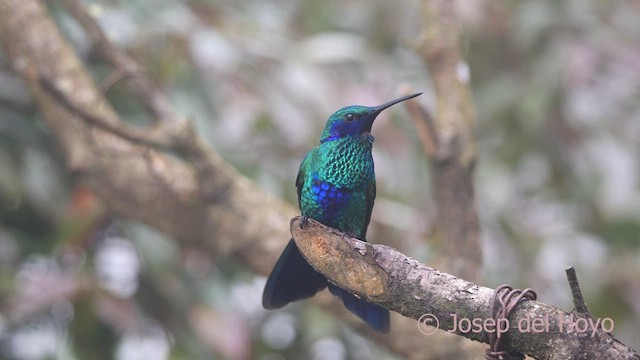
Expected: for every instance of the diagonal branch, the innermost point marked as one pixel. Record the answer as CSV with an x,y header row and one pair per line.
x,y
239,220
153,139
133,180
173,131
153,99
392,280
236,218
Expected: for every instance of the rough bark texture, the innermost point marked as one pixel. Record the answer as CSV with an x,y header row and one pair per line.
x,y
399,283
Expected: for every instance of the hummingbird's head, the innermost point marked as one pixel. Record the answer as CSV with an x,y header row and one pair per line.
x,y
355,120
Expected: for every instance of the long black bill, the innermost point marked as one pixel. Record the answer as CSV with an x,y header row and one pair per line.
x,y
379,108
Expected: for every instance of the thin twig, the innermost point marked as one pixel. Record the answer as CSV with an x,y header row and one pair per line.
x,y
578,299
151,97
174,131
121,129
111,80
424,125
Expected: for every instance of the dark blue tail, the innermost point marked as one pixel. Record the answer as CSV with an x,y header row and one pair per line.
x,y
292,278
372,314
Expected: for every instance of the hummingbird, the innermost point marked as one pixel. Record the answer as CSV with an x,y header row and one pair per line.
x,y
336,186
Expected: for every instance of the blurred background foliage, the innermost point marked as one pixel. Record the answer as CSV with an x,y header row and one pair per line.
x,y
556,86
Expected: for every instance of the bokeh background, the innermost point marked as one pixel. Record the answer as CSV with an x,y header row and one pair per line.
x,y
556,87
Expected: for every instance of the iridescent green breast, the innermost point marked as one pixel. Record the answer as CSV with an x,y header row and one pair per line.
x,y
336,184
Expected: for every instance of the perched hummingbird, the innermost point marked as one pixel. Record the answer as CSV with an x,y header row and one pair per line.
x,y
336,186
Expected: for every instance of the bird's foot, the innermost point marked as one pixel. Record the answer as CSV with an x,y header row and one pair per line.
x,y
303,221
348,234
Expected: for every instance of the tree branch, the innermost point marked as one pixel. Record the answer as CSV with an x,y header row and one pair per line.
x,y
153,99
235,218
394,281
133,180
157,140
448,141
139,182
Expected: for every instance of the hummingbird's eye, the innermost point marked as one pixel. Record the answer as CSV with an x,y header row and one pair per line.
x,y
349,117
